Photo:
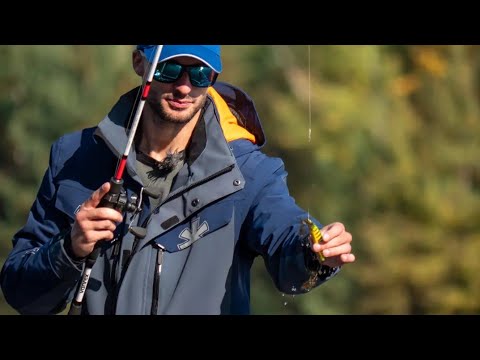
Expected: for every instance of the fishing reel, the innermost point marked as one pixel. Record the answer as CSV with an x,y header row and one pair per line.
x,y
117,198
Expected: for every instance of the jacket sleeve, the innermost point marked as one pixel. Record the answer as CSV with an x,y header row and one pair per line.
x,y
274,230
38,276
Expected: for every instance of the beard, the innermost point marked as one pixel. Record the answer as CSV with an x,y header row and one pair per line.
x,y
165,114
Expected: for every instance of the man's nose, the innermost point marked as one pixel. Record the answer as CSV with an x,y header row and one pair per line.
x,y
183,84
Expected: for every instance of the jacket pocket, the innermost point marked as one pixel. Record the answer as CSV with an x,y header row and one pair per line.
x,y
199,226
70,196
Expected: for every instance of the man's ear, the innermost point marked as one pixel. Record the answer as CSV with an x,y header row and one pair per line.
x,y
138,63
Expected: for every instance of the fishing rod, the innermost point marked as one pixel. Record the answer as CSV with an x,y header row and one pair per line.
x,y
116,197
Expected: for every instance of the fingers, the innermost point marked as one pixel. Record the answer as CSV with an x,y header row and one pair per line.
x,y
86,233
316,247
331,231
339,260
335,245
343,249
337,250
103,225
347,258
98,219
96,197
92,237
334,235
93,224
101,218
101,214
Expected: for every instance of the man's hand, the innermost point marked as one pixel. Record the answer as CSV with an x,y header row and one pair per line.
x,y
335,245
93,224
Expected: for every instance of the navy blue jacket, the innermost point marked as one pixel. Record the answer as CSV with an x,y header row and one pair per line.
x,y
228,204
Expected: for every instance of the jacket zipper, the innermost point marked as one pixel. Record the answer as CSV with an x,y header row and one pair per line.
x,y
115,256
156,279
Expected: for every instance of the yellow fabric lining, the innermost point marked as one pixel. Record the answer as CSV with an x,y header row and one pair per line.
x,y
228,121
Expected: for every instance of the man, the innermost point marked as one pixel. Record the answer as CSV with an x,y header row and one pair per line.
x,y
209,202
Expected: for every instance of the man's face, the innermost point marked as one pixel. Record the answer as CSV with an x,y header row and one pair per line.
x,y
177,102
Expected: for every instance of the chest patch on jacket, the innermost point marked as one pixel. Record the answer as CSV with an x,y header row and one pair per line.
x,y
191,235
202,225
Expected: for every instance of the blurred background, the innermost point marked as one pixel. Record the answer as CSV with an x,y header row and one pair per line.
x,y
383,138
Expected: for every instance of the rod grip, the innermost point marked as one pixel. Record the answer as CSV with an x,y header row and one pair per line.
x,y
75,308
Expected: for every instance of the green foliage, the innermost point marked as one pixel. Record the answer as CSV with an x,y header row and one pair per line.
x,y
382,138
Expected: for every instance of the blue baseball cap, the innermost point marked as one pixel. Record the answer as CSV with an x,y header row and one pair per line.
x,y
209,54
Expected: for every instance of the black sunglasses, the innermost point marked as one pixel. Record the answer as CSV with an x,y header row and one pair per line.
x,y
170,71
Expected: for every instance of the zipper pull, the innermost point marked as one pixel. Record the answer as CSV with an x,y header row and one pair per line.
x,y
156,281
161,249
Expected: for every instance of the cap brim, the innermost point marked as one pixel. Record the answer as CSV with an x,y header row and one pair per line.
x,y
199,52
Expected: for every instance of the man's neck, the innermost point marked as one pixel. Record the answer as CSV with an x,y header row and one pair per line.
x,y
159,138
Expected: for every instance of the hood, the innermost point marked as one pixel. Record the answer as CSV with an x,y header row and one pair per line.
x,y
237,109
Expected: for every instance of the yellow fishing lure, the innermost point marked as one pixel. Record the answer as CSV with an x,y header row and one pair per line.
x,y
315,236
